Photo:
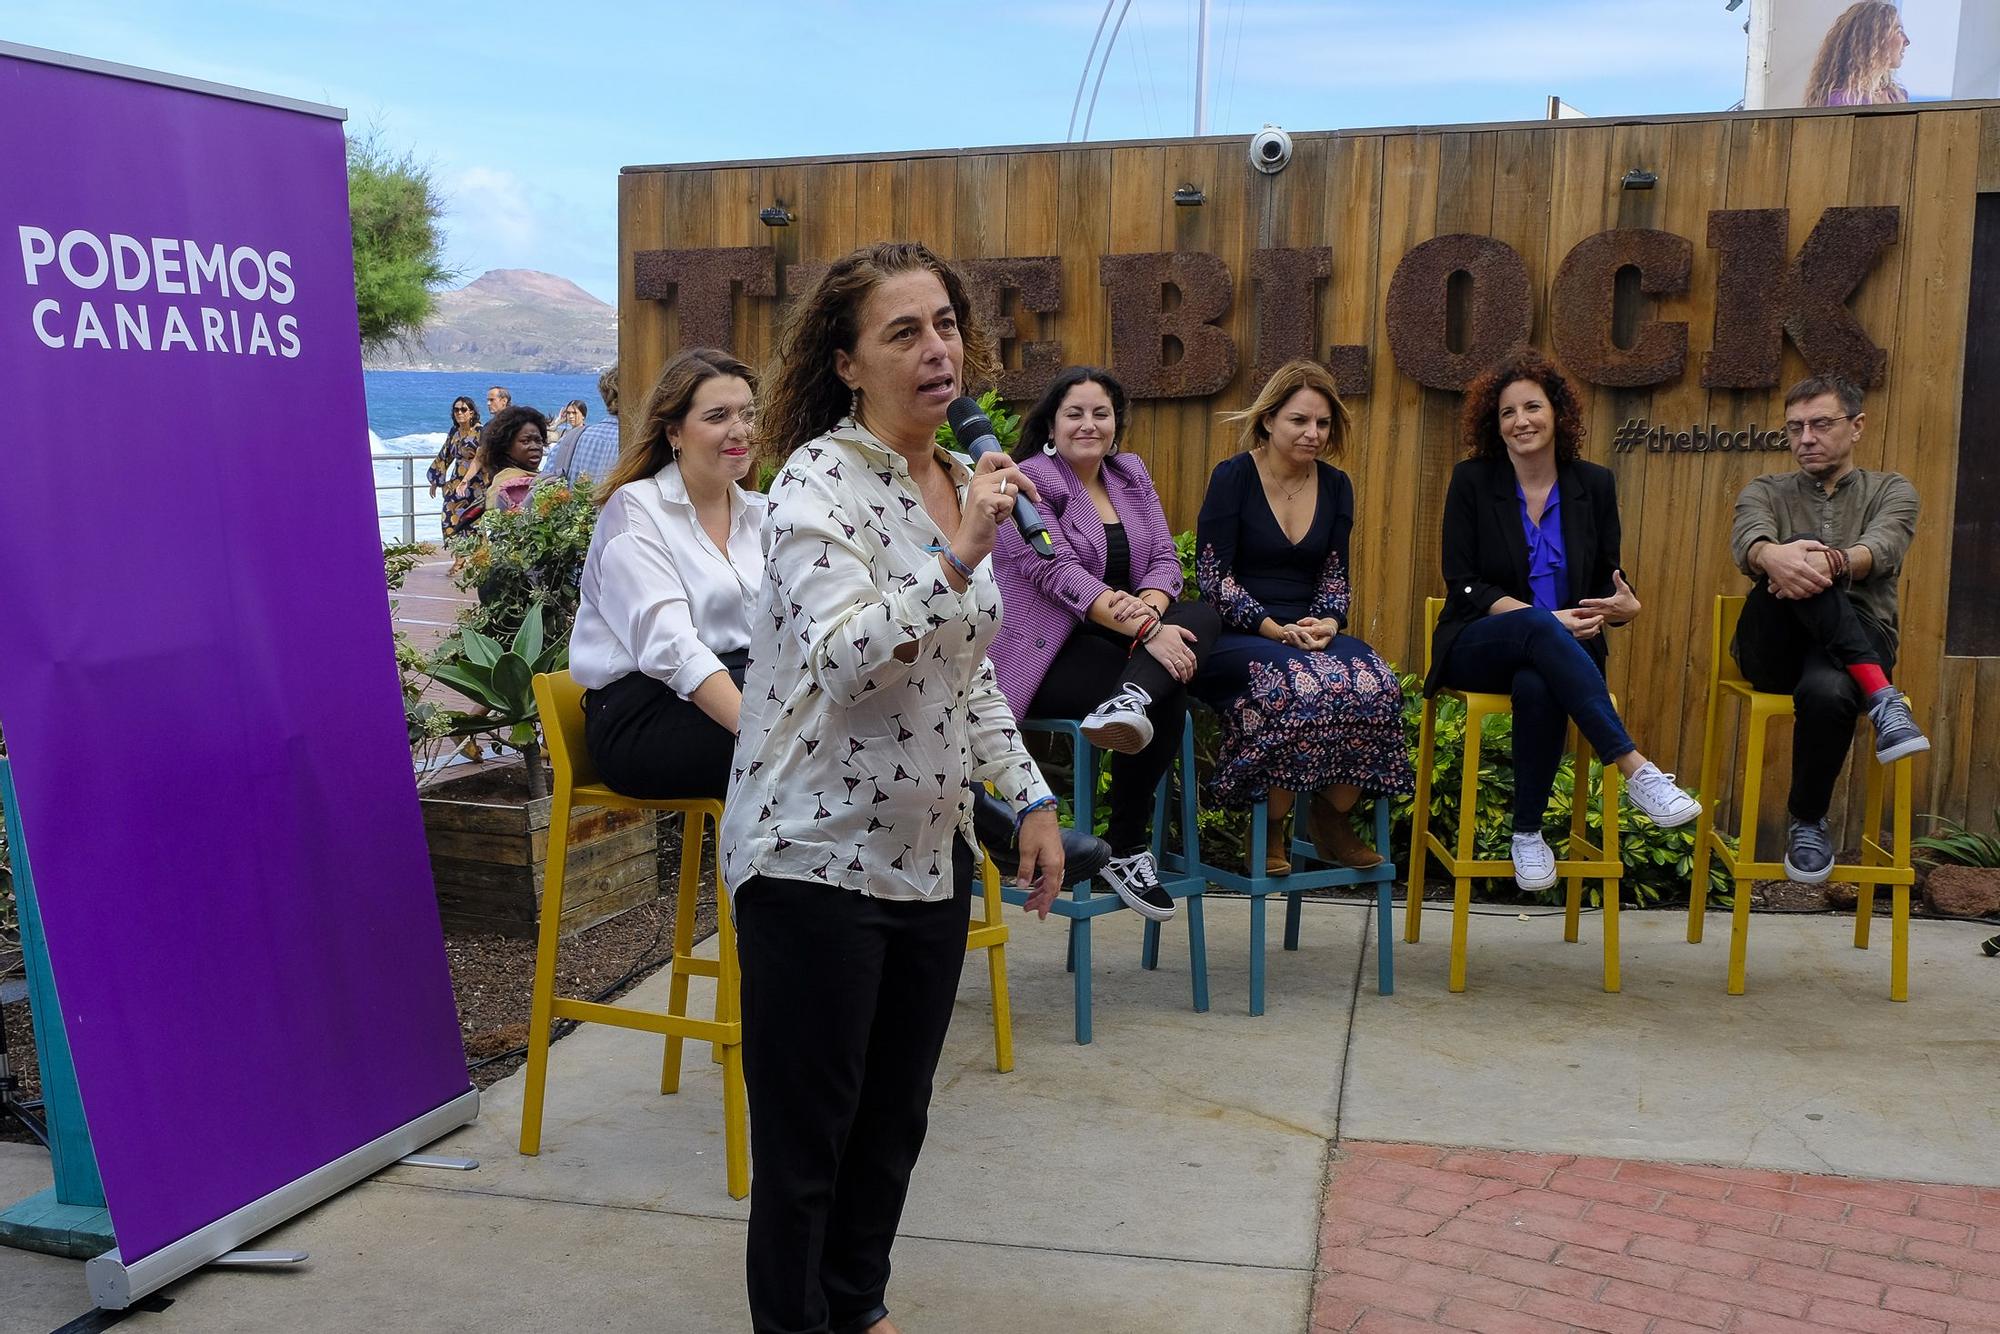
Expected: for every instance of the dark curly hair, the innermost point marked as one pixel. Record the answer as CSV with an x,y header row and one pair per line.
x,y
804,398
1040,423
1479,417
496,441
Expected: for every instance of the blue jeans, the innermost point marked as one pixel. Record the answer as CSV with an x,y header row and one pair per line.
x,y
1529,655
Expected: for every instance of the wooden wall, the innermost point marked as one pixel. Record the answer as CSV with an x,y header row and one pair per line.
x,y
1371,196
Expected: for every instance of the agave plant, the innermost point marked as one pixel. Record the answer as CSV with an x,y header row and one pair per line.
x,y
1959,846
501,681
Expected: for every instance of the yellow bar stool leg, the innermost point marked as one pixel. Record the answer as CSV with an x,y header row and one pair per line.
x,y
735,1100
687,901
1579,831
1614,883
1871,833
1468,823
728,1000
1753,791
1420,826
1704,825
996,975
1899,929
541,1009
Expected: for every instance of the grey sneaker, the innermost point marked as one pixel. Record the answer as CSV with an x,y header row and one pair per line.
x,y
1808,853
1120,723
1896,732
1136,879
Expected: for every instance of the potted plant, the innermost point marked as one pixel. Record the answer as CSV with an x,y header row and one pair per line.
x,y
1964,879
488,825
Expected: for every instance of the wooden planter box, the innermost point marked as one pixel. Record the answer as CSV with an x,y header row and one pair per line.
x,y
488,852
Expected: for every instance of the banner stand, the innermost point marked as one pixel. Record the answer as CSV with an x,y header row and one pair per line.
x,y
69,1218
115,1285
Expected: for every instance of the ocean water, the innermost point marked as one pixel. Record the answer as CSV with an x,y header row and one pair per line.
x,y
408,415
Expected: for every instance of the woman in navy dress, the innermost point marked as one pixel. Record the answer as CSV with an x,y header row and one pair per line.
x,y
1305,706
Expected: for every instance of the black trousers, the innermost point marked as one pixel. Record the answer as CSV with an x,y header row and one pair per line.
x,y
846,1000
645,741
1088,670
1802,647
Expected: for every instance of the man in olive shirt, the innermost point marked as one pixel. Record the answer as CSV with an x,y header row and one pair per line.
x,y
1824,546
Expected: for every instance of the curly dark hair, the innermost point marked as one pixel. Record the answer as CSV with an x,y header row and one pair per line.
x,y
496,442
1040,423
1479,416
804,398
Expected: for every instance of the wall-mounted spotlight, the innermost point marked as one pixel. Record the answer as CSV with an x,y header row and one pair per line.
x,y
1189,196
776,216
1639,179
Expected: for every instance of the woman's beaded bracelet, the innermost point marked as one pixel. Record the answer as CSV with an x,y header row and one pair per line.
x,y
951,559
1039,803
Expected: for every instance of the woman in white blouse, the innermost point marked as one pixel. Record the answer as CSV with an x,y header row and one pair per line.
x,y
663,624
868,708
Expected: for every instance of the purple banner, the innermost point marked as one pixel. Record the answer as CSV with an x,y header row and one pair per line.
x,y
197,683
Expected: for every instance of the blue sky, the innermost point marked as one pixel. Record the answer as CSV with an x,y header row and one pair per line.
x,y
527,111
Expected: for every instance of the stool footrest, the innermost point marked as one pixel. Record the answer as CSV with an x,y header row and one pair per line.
x,y
648,1021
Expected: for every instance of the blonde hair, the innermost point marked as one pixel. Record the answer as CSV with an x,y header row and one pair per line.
x,y
1858,57
1285,381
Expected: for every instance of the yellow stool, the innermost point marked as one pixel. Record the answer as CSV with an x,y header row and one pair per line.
x,y
561,701
1595,864
1879,865
989,932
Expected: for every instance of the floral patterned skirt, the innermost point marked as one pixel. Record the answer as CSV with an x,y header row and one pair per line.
x,y
1301,719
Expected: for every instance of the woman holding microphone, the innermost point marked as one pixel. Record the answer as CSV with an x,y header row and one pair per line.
x,y
868,708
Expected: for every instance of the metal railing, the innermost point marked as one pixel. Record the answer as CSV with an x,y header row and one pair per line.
x,y
412,476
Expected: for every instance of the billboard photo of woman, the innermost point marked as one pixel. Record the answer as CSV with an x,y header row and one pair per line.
x,y
1858,58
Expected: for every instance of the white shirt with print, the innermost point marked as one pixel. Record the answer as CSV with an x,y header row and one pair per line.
x,y
851,765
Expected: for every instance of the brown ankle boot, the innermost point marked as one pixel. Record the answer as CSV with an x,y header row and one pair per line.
x,y
1334,838
1276,843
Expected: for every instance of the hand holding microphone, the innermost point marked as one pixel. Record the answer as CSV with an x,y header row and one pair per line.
x,y
974,431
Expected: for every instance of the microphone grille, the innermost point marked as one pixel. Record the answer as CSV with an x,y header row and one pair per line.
x,y
964,415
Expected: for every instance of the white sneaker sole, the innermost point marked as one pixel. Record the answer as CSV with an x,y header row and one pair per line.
x,y
1798,877
1693,812
1536,886
1126,738
1914,746
1137,904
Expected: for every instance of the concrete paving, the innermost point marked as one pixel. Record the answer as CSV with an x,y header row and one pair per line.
x,y
1812,1069
1168,1176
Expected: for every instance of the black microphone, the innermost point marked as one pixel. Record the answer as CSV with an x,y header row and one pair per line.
x,y
974,431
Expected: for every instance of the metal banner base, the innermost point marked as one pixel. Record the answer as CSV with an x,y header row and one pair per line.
x,y
44,1223
115,1285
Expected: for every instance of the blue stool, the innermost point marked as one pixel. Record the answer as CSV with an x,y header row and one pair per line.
x,y
1080,905
1259,887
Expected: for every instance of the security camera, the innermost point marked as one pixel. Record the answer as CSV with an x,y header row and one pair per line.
x,y
1270,149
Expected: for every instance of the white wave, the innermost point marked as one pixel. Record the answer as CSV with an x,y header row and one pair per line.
x,y
423,442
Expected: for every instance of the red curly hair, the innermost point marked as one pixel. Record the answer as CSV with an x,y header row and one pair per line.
x,y
1479,417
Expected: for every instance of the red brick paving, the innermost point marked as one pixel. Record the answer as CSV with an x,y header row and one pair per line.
x,y
1419,1238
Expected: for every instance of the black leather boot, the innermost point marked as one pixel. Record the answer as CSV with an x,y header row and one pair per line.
x,y
1084,855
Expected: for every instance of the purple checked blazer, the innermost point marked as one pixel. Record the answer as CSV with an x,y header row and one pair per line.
x,y
1042,602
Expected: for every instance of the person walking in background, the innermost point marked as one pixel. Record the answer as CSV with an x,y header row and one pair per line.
x,y
1305,706
1857,61
563,427
676,560
868,707
593,451
1531,537
1824,546
1100,630
510,456
498,400
452,469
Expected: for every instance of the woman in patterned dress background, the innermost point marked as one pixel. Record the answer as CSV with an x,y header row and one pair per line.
x,y
451,470
1306,707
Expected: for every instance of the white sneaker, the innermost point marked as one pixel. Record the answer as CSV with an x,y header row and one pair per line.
x,y
1120,723
1660,797
1136,880
1534,861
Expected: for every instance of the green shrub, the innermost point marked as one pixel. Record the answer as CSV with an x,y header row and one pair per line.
x,y
1006,426
1959,846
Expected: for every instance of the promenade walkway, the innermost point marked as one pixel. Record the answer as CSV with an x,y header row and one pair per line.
x,y
1516,1158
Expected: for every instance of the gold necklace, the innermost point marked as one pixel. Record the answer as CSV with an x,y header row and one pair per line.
x,y
1294,491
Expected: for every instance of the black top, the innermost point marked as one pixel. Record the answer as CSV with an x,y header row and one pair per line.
x,y
1286,579
1117,573
1485,554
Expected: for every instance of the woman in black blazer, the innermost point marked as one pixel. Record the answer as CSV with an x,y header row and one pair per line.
x,y
1532,580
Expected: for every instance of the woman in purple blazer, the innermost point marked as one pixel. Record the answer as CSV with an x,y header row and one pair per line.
x,y
1099,632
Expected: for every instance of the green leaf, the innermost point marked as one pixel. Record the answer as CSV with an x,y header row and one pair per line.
x,y
479,649
528,640
477,687
514,684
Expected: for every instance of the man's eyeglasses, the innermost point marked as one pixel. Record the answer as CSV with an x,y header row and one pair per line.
x,y
1820,426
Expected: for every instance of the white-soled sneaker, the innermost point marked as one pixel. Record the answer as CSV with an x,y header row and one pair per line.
x,y
1136,880
1660,797
1534,861
1120,723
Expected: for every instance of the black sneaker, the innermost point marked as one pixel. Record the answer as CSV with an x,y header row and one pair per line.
x,y
1084,855
1808,852
1896,732
1136,879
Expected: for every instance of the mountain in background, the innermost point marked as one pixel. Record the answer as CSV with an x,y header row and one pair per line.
x,y
511,320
